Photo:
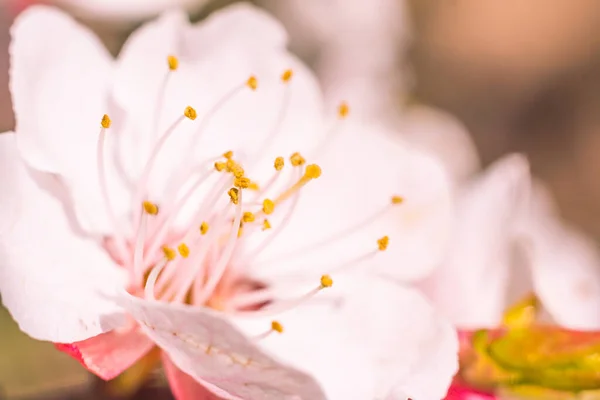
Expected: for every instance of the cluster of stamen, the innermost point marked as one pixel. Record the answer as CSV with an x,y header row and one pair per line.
x,y
192,266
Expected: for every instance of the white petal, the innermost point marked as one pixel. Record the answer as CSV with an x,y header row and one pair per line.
x,y
472,282
58,108
565,267
204,345
215,57
361,172
367,338
445,137
52,280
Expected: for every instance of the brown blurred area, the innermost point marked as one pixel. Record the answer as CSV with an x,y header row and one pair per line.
x,y
522,75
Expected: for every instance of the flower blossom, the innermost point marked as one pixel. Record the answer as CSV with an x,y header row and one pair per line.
x,y
191,195
522,287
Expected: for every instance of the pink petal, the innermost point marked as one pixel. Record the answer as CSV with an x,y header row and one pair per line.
x,y
109,354
183,386
205,345
458,392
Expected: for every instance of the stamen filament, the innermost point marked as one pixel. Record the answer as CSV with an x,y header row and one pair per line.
x,y
150,283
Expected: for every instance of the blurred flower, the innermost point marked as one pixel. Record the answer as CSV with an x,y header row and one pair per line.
x,y
508,242
195,213
116,11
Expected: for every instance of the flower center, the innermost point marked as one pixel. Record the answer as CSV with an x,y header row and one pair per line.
x,y
203,263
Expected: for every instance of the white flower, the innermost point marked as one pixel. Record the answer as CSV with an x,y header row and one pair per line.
x,y
150,225
508,241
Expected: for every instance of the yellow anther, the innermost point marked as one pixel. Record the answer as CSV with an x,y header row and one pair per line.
x,y
326,281
169,253
397,199
253,186
105,121
313,171
268,206
228,154
248,217
266,225
238,171
190,113
150,207
287,75
230,165
220,166
173,62
234,194
242,182
252,83
183,250
204,228
277,327
296,159
343,110
279,163
383,242
240,230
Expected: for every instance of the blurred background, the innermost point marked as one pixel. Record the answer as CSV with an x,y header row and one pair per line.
x,y
513,75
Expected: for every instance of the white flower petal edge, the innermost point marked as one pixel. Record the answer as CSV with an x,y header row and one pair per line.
x,y
393,342
565,266
52,281
471,284
207,347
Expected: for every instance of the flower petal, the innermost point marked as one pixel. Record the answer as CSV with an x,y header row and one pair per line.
x,y
51,279
472,283
109,354
565,267
361,172
183,386
367,339
58,108
207,347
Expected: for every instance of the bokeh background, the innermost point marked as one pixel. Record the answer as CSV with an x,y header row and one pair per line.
x,y
520,75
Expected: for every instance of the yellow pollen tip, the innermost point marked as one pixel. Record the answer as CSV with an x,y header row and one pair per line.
x,y
287,75
253,186
150,207
266,225
228,154
248,217
220,166
183,250
296,159
252,82
190,113
343,110
383,243
268,206
169,253
277,327
313,171
204,228
238,171
234,194
326,281
397,200
279,163
105,123
242,182
240,230
172,62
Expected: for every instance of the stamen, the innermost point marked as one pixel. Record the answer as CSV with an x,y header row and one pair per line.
x,y
234,194
169,253
150,208
296,159
275,327
151,282
183,250
190,113
266,225
242,182
279,163
172,62
383,243
312,171
252,82
119,236
268,206
397,200
343,110
248,217
287,75
228,155
220,166
283,305
204,228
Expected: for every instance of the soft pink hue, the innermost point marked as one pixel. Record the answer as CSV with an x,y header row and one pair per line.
x,y
459,392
